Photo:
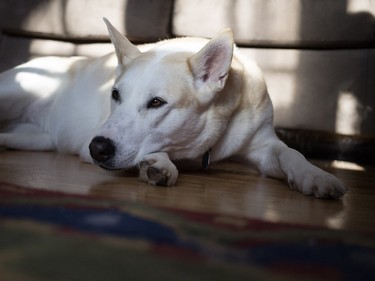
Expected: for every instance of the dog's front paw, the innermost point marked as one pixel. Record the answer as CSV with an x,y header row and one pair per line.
x,y
318,183
157,169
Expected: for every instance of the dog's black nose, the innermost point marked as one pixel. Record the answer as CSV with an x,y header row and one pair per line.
x,y
102,149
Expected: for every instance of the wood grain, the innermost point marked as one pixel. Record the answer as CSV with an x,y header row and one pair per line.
x,y
226,188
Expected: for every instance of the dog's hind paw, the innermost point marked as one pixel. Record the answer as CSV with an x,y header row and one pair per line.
x,y
157,169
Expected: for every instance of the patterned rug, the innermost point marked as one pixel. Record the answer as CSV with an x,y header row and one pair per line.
x,y
54,236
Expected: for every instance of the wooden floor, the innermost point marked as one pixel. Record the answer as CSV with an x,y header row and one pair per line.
x,y
226,188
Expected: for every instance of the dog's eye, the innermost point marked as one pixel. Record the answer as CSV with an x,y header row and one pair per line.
x,y
116,95
155,103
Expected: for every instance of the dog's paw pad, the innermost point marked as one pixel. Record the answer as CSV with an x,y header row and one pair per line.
x,y
158,172
157,177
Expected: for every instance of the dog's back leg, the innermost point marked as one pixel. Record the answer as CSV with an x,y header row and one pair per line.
x,y
37,79
13,97
273,158
26,137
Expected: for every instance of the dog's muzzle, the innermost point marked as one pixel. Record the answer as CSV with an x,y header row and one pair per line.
x,y
102,149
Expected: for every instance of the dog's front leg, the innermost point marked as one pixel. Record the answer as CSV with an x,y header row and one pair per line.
x,y
273,158
158,169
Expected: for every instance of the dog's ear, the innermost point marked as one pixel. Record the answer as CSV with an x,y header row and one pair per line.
x,y
125,50
210,66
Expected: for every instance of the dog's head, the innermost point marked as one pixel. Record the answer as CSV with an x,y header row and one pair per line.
x,y
164,100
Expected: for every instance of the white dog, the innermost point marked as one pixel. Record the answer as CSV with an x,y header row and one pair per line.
x,y
177,99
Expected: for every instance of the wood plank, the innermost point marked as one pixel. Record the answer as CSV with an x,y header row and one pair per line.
x,y
226,188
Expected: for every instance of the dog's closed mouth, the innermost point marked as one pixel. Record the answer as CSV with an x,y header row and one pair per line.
x,y
109,168
105,167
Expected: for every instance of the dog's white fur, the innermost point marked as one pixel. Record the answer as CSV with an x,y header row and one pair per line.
x,y
174,100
